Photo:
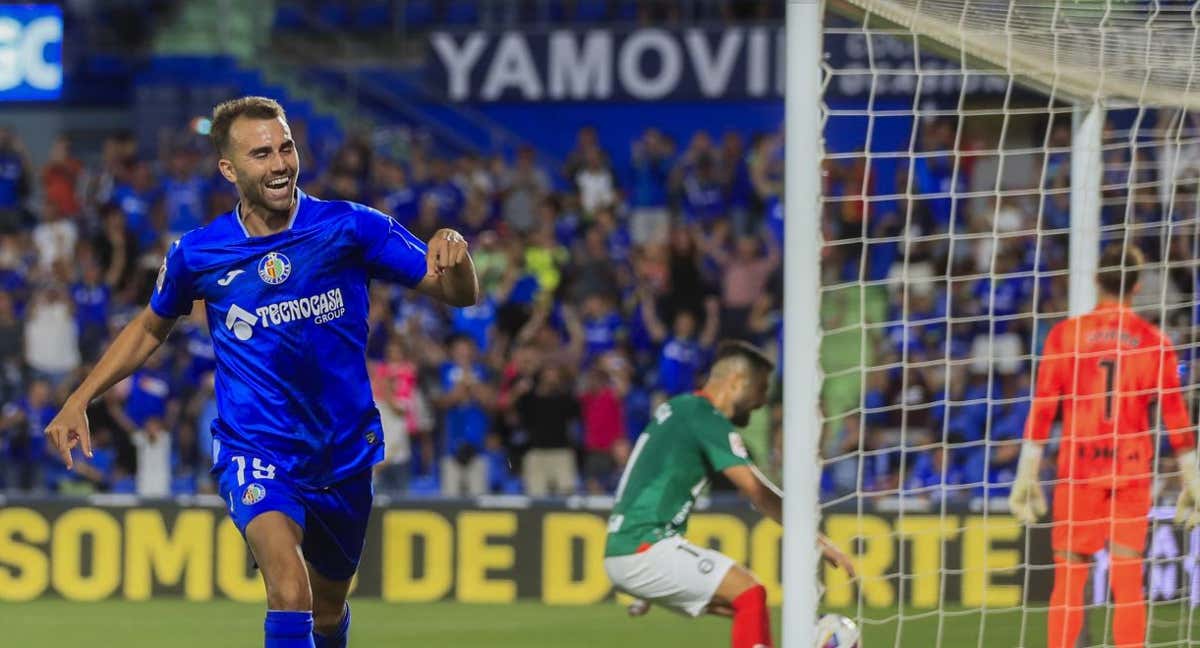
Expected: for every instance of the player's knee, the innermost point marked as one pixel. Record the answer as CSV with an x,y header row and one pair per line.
x,y
1071,557
1121,551
289,594
754,597
327,614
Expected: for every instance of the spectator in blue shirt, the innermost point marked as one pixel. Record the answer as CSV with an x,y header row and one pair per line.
x,y
651,160
137,198
202,358
476,321
686,349
735,179
1004,442
31,464
704,200
929,475
1010,293
184,194
91,296
603,326
150,391
445,193
467,398
935,173
15,181
400,200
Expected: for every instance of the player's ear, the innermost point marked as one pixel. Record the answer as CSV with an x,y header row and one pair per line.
x,y
741,383
227,170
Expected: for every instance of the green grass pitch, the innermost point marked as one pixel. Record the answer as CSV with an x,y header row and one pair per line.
x,y
181,624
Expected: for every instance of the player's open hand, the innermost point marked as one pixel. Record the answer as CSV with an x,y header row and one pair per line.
x,y
69,429
1187,508
835,556
447,249
1026,501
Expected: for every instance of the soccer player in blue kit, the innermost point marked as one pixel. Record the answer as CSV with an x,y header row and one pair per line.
x,y
284,280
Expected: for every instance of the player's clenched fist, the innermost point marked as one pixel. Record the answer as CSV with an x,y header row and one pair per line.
x,y
1187,509
69,429
447,249
1026,500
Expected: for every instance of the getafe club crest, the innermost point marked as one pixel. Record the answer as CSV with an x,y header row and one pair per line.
x,y
254,494
274,268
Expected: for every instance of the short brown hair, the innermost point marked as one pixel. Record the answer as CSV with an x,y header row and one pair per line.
x,y
752,354
226,112
1120,266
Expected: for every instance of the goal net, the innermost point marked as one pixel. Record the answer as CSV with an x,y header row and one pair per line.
x,y
977,156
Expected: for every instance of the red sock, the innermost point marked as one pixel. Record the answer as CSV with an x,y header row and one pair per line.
x,y
751,624
1066,604
1129,614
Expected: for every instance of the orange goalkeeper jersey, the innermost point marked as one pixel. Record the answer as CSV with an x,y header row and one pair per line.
x,y
1107,369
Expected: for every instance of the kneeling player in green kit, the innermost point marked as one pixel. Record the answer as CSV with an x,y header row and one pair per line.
x,y
690,439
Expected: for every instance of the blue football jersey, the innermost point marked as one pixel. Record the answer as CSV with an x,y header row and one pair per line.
x,y
288,316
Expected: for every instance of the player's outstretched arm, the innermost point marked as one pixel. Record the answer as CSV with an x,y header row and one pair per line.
x,y
1187,508
450,272
764,495
768,499
129,350
835,555
1026,500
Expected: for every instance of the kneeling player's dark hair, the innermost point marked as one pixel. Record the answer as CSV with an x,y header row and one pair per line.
x,y
1120,266
228,111
742,349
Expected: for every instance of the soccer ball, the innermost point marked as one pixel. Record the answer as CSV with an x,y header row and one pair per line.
x,y
836,631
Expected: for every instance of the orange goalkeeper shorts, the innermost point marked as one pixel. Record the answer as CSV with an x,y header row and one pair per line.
x,y
1088,518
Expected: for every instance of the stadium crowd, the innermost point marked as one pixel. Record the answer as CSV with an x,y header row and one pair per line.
x,y
964,272
602,297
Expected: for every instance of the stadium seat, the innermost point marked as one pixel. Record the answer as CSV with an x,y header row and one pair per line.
x,y
183,485
424,486
462,12
124,486
592,10
289,17
627,10
418,14
372,16
334,14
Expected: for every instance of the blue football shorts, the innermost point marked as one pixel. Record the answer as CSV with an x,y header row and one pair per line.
x,y
333,519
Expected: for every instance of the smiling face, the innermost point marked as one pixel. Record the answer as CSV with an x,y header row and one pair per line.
x,y
262,161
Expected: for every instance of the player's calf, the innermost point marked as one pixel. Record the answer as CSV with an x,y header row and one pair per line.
x,y
1129,605
741,592
336,635
331,613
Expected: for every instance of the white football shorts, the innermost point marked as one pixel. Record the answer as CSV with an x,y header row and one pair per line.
x,y
673,573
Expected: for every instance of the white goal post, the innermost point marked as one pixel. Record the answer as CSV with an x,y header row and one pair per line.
x,y
888,259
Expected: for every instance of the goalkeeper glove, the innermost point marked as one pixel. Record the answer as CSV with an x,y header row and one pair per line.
x,y
1026,500
1187,510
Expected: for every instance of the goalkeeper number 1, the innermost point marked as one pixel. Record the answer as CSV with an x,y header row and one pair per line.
x,y
1106,368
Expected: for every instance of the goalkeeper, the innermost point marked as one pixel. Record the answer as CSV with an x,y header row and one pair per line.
x,y
1106,368
691,439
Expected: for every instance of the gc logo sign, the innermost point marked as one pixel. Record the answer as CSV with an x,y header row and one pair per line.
x,y
30,52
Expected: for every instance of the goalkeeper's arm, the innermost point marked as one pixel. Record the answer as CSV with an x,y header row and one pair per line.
x,y
1181,435
1026,501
